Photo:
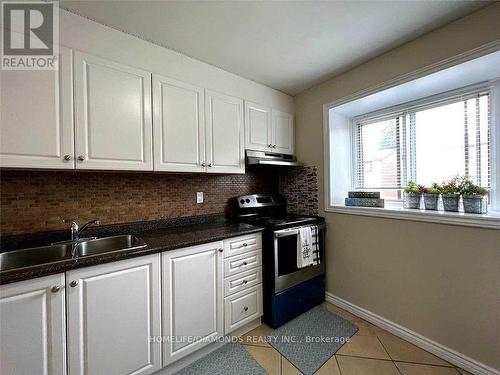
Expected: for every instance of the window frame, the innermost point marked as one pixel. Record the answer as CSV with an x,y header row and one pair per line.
x,y
393,209
409,109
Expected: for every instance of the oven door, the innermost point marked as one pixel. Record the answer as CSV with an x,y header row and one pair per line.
x,y
286,273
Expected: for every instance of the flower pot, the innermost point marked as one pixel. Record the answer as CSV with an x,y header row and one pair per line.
x,y
412,200
431,201
473,204
450,202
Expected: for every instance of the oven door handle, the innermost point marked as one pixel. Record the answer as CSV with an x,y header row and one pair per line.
x,y
293,231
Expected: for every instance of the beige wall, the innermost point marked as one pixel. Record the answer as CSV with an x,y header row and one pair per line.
x,y
440,281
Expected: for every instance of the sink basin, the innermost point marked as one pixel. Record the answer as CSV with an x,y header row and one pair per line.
x,y
109,244
64,251
34,256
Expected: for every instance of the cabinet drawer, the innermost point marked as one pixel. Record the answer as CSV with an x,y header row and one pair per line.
x,y
243,262
242,281
243,307
243,244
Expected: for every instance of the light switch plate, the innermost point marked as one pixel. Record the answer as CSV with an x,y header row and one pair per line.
x,y
199,197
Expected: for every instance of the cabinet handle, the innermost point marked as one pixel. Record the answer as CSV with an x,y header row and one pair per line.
x,y
55,288
67,157
220,250
73,283
203,164
81,158
245,309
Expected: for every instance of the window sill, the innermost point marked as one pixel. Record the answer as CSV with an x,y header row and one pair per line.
x,y
491,220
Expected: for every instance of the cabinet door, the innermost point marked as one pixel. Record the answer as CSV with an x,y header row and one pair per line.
x,y
113,312
179,126
113,115
36,117
257,127
282,130
32,327
225,134
192,299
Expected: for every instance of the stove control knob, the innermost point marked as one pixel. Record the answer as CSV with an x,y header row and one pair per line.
x,y
242,201
247,200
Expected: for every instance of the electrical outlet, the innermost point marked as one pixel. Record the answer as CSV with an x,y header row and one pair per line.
x,y
199,197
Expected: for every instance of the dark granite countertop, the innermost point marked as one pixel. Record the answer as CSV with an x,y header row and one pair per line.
x,y
158,235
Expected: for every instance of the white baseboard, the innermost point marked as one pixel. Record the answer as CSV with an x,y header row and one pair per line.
x,y
450,355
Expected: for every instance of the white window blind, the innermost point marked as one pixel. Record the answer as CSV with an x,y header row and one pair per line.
x,y
429,142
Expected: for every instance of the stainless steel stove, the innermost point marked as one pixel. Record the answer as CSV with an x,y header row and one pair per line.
x,y
288,290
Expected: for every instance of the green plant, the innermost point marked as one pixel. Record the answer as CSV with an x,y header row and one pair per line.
x,y
412,187
433,189
452,186
467,187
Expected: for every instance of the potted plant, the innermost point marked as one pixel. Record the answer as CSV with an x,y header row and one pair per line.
x,y
431,197
472,196
450,191
412,195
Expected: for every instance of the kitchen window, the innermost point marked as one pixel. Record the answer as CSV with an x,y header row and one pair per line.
x,y
431,141
425,130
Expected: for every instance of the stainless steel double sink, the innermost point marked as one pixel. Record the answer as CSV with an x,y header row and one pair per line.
x,y
60,252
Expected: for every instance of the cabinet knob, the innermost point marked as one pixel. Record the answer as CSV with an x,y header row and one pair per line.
x,y
245,263
67,157
245,309
55,288
244,282
220,250
203,164
270,145
210,165
245,244
81,158
73,283
274,146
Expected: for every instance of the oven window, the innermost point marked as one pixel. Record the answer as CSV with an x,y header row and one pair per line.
x,y
287,255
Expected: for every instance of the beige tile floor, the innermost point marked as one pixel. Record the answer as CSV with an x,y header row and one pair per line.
x,y
371,351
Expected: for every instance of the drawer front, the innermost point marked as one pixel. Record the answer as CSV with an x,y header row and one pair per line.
x,y
242,281
243,244
241,308
241,263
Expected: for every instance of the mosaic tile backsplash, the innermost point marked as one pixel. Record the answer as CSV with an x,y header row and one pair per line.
x,y
35,201
299,187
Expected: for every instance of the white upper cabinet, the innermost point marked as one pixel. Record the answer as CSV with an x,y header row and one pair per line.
x,y
258,135
32,320
36,117
192,299
113,312
113,115
282,132
179,126
225,134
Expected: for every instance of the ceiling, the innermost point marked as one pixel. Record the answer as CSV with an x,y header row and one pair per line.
x,y
287,45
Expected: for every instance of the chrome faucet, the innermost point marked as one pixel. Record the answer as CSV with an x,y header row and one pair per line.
x,y
76,231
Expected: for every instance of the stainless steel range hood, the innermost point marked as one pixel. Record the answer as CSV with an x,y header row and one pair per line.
x,y
263,158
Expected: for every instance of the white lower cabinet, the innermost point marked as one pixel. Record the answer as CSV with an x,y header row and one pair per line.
x,y
192,299
242,281
32,323
113,311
